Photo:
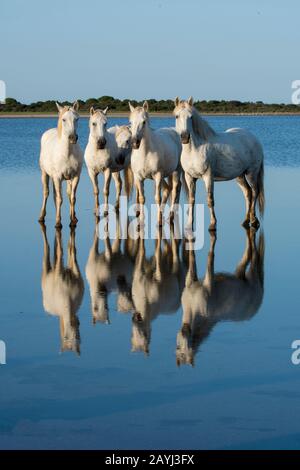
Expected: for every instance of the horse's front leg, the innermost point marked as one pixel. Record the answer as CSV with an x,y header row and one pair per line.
x,y
140,196
191,184
45,182
158,184
175,195
94,179
209,185
58,202
73,218
118,182
107,179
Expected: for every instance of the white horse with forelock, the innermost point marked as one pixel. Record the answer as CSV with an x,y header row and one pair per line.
x,y
233,154
108,152
63,288
155,155
61,159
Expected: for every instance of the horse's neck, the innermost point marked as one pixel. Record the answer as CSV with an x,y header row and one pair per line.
x,y
147,140
64,143
201,132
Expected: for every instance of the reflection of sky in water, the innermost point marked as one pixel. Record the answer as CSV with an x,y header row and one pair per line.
x,y
243,390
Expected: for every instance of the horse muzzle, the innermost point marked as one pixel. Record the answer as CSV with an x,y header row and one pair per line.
x,y
120,160
185,137
136,143
73,139
137,317
101,143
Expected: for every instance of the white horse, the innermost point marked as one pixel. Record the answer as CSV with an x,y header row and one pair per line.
x,y
223,156
156,288
61,159
155,155
63,289
219,296
108,152
107,272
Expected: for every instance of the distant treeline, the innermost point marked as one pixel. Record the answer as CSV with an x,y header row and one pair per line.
x,y
116,105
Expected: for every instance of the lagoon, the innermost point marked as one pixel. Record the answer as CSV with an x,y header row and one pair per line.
x,y
243,390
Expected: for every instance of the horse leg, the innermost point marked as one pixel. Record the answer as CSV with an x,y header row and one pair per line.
x,y
158,184
74,184
140,196
166,188
252,180
176,185
209,185
243,184
137,207
45,182
191,184
72,260
69,190
58,202
94,180
209,274
240,271
46,257
118,182
107,179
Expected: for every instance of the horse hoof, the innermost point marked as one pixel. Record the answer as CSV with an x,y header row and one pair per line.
x,y
138,213
105,213
171,218
255,224
212,228
246,223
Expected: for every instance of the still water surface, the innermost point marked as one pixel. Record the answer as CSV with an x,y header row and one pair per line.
x,y
242,391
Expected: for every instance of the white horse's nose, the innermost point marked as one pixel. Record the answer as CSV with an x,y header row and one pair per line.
x,y
185,137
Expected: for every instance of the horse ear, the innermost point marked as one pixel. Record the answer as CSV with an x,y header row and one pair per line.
x,y
105,110
131,107
190,101
92,111
75,106
59,107
146,106
177,101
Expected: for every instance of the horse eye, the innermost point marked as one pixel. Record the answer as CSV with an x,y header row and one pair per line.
x,y
176,117
94,124
64,120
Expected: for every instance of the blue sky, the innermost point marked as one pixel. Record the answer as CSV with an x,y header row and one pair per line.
x,y
212,49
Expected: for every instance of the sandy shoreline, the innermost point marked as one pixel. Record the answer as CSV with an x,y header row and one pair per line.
x,y
125,115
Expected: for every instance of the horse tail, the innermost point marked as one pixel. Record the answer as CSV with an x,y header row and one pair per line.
x,y
128,176
260,187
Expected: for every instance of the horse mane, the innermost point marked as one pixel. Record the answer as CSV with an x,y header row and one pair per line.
x,y
59,124
201,127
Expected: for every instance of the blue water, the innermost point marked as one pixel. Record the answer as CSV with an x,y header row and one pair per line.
x,y
243,391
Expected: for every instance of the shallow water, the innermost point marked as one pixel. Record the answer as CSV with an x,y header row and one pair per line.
x,y
243,391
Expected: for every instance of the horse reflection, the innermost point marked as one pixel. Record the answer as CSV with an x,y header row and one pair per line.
x,y
62,289
110,271
220,296
156,288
